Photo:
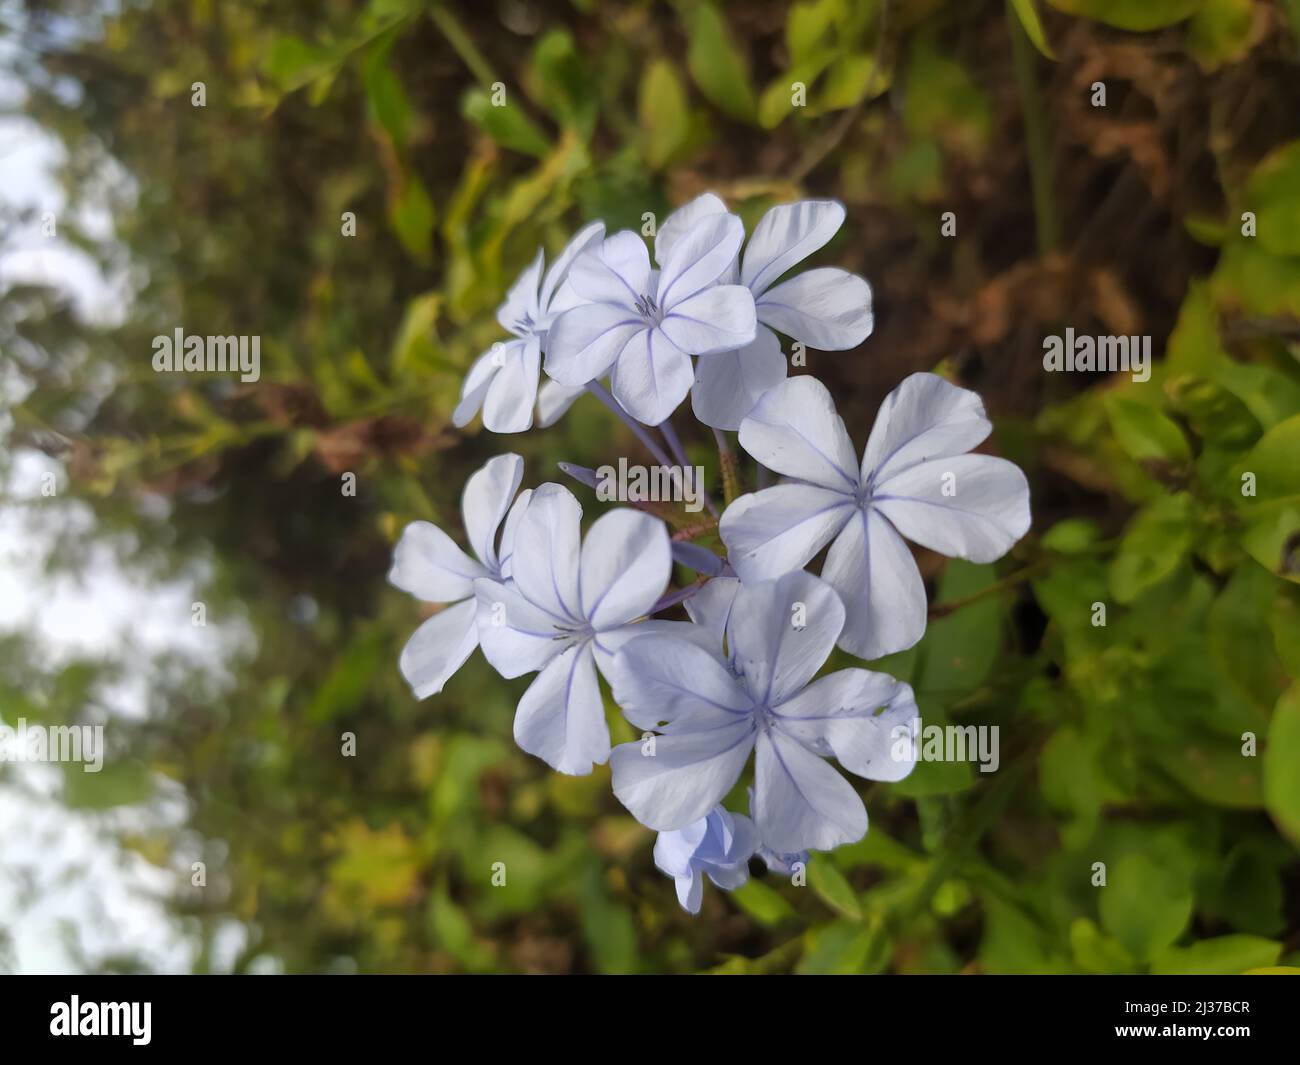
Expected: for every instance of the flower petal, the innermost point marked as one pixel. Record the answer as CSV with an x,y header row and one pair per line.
x,y
658,679
682,221
520,306
795,430
512,394
545,563
685,777
586,239
710,607
729,383
965,506
699,258
561,717
488,494
652,376
584,342
781,632
801,802
876,577
625,565
717,319
475,388
554,401
616,271
428,564
841,714
829,309
517,637
925,417
779,529
438,648
785,236
506,549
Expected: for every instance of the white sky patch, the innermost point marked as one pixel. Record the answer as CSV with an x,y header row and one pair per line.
x,y
61,870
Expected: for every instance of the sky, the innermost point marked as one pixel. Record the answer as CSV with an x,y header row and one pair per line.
x,y
61,869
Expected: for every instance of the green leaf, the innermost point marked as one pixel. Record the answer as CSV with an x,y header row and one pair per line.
x,y
943,102
829,885
717,65
842,948
664,116
1282,764
1284,620
389,105
1097,952
1240,638
410,213
1145,904
767,906
506,124
1130,14
560,82
1154,546
1146,433
1272,535
115,784
806,27
1219,32
1273,193
1033,25
1222,955
850,80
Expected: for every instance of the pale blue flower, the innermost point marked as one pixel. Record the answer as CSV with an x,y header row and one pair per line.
x,y
504,379
827,308
718,846
641,326
428,564
915,480
782,863
710,717
566,612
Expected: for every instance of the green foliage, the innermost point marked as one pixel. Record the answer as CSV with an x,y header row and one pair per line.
x,y
1159,735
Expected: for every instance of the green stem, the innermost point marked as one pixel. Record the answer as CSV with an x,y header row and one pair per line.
x,y
462,45
1040,157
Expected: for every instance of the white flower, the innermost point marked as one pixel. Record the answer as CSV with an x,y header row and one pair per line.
x,y
503,380
642,326
718,846
712,713
915,480
567,611
428,564
827,308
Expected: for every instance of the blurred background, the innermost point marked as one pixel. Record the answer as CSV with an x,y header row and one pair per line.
x,y
194,164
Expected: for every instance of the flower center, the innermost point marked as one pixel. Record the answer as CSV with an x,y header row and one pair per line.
x,y
649,310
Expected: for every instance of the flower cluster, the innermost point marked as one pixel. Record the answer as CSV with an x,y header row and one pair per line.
x,y
741,676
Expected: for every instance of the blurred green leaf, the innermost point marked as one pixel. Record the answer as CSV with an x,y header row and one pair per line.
x,y
506,124
1145,904
1281,758
1223,954
664,116
717,65
1027,13
829,885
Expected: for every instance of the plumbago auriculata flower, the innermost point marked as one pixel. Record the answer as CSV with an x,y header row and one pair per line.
x,y
744,675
